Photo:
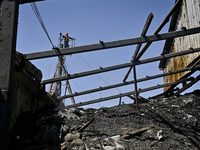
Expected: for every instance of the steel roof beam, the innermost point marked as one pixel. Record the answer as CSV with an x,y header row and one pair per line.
x,y
108,45
125,83
124,94
156,32
121,66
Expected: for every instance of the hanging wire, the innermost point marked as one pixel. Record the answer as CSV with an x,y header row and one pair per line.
x,y
78,85
39,17
96,75
81,87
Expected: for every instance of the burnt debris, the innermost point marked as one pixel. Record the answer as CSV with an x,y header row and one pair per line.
x,y
163,123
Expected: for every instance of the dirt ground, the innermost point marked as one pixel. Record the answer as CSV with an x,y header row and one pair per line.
x,y
165,123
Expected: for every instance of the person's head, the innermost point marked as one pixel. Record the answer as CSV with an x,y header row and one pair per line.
x,y
66,33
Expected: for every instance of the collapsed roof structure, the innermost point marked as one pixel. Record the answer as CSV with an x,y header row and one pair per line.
x,y
173,34
180,54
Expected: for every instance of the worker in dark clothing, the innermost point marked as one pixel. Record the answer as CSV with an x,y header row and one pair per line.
x,y
67,37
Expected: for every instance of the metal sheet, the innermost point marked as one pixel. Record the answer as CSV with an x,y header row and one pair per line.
x,y
189,17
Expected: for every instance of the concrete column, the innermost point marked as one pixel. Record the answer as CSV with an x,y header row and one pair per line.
x,y
8,34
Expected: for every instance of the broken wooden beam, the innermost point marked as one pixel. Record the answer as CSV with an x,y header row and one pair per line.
x,y
132,134
86,125
149,19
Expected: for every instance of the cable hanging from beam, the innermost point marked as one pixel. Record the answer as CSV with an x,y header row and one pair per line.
x,y
39,17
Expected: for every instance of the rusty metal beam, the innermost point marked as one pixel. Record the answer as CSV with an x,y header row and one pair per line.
x,y
125,83
121,66
148,22
146,27
177,4
123,94
135,86
86,125
159,28
109,45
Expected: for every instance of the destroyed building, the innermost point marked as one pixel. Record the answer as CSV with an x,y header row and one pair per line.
x,y
31,120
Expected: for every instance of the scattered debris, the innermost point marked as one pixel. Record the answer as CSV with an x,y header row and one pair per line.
x,y
159,134
165,123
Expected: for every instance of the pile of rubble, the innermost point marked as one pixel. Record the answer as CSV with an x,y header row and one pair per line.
x,y
165,123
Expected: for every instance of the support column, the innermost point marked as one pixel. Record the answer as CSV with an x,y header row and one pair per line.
x,y
8,34
135,85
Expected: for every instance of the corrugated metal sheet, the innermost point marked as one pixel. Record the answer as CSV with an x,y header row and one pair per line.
x,y
188,17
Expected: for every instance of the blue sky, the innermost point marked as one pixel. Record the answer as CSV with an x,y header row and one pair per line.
x,y
88,22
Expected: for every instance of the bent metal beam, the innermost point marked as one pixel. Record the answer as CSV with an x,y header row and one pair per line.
x,y
112,44
125,65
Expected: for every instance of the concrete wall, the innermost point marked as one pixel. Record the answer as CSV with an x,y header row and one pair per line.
x,y
29,95
20,88
189,17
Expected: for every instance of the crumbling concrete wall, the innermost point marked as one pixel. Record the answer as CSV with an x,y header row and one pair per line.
x,y
188,17
29,95
20,88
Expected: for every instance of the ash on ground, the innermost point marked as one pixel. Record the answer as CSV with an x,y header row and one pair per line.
x,y
164,123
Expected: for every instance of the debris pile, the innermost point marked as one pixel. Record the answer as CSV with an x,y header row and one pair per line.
x,y
164,123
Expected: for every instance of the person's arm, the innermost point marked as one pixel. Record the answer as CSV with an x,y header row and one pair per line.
x,y
71,38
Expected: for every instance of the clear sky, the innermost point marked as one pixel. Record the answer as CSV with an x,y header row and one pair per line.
x,y
89,21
